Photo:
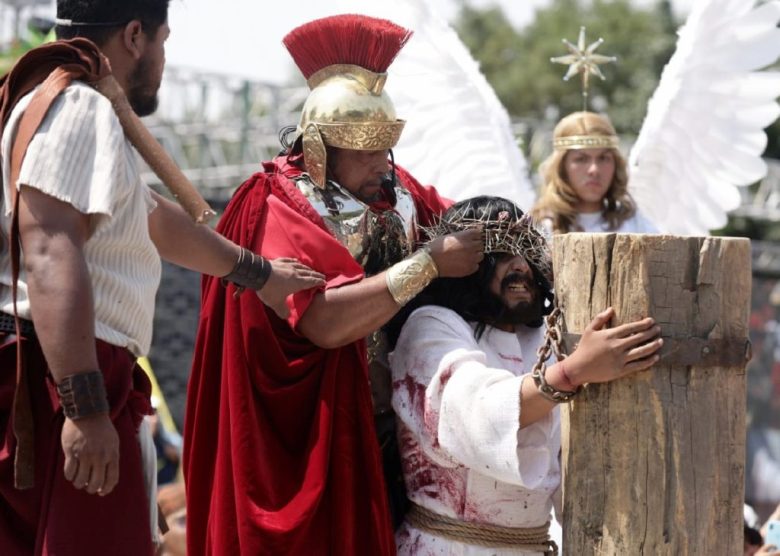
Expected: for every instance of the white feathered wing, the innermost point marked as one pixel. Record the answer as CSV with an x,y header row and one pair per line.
x,y
703,134
457,136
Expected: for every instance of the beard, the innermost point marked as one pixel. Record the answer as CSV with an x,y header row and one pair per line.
x,y
372,191
367,197
141,91
528,312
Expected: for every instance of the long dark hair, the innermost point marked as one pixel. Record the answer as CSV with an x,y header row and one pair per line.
x,y
470,296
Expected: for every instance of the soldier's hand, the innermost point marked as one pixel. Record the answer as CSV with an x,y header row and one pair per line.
x,y
287,277
458,254
91,447
605,354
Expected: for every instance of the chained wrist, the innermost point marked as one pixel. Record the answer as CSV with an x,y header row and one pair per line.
x,y
411,276
553,344
562,378
83,395
251,271
550,392
566,370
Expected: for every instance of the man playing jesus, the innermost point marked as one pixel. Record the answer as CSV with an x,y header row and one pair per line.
x,y
479,435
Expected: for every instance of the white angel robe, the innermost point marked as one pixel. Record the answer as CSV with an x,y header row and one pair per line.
x,y
594,222
464,455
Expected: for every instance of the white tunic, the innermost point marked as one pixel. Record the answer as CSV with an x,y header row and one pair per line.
x,y
594,222
80,156
458,405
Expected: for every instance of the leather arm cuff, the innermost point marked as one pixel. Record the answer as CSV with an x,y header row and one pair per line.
x,y
83,395
251,271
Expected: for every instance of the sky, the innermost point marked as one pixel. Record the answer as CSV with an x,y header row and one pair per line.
x,y
245,39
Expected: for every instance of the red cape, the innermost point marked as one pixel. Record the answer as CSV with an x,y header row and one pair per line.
x,y
280,454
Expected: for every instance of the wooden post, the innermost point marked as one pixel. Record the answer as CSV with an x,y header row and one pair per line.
x,y
654,463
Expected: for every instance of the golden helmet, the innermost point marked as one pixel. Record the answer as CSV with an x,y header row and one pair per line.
x,y
345,59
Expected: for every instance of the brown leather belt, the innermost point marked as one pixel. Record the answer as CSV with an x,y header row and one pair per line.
x,y
8,326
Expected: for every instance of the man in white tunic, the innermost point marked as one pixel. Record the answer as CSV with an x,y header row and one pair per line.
x,y
478,435
91,235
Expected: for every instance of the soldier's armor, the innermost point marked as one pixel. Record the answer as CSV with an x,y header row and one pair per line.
x,y
353,223
351,220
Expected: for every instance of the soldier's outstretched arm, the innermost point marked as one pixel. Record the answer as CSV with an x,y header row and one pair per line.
x,y
339,316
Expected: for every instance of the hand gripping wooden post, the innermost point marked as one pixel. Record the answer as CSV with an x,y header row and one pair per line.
x,y
654,463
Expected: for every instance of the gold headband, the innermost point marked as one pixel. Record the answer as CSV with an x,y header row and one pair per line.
x,y
573,142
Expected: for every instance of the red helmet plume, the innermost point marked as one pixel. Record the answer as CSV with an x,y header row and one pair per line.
x,y
368,42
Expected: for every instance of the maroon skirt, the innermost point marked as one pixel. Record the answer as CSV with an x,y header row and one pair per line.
x,y
55,518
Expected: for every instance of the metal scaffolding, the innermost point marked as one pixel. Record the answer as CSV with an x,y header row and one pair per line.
x,y
763,201
219,128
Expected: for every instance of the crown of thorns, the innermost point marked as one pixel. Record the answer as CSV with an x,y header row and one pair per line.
x,y
503,234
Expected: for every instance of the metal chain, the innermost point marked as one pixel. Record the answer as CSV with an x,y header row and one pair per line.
x,y
552,339
553,343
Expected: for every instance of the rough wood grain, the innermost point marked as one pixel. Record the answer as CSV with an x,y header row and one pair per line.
x,y
654,463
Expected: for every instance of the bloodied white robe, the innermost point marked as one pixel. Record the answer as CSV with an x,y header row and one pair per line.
x,y
458,406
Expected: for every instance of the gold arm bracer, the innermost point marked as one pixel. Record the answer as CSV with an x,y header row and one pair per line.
x,y
410,276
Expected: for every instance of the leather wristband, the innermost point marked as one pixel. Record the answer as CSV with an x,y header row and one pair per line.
x,y
83,395
409,277
251,271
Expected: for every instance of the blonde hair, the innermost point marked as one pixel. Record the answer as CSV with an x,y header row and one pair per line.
x,y
558,199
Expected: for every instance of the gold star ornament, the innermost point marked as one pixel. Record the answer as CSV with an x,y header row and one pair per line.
x,y
584,61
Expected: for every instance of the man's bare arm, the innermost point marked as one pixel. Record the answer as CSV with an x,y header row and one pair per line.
x,y
339,316
181,241
53,234
343,315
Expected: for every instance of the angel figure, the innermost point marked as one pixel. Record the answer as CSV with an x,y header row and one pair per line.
x,y
585,180
701,139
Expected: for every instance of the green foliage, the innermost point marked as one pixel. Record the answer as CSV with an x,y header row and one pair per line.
x,y
517,63
741,226
773,140
18,48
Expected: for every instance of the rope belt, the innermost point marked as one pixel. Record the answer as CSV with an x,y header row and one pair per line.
x,y
532,539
